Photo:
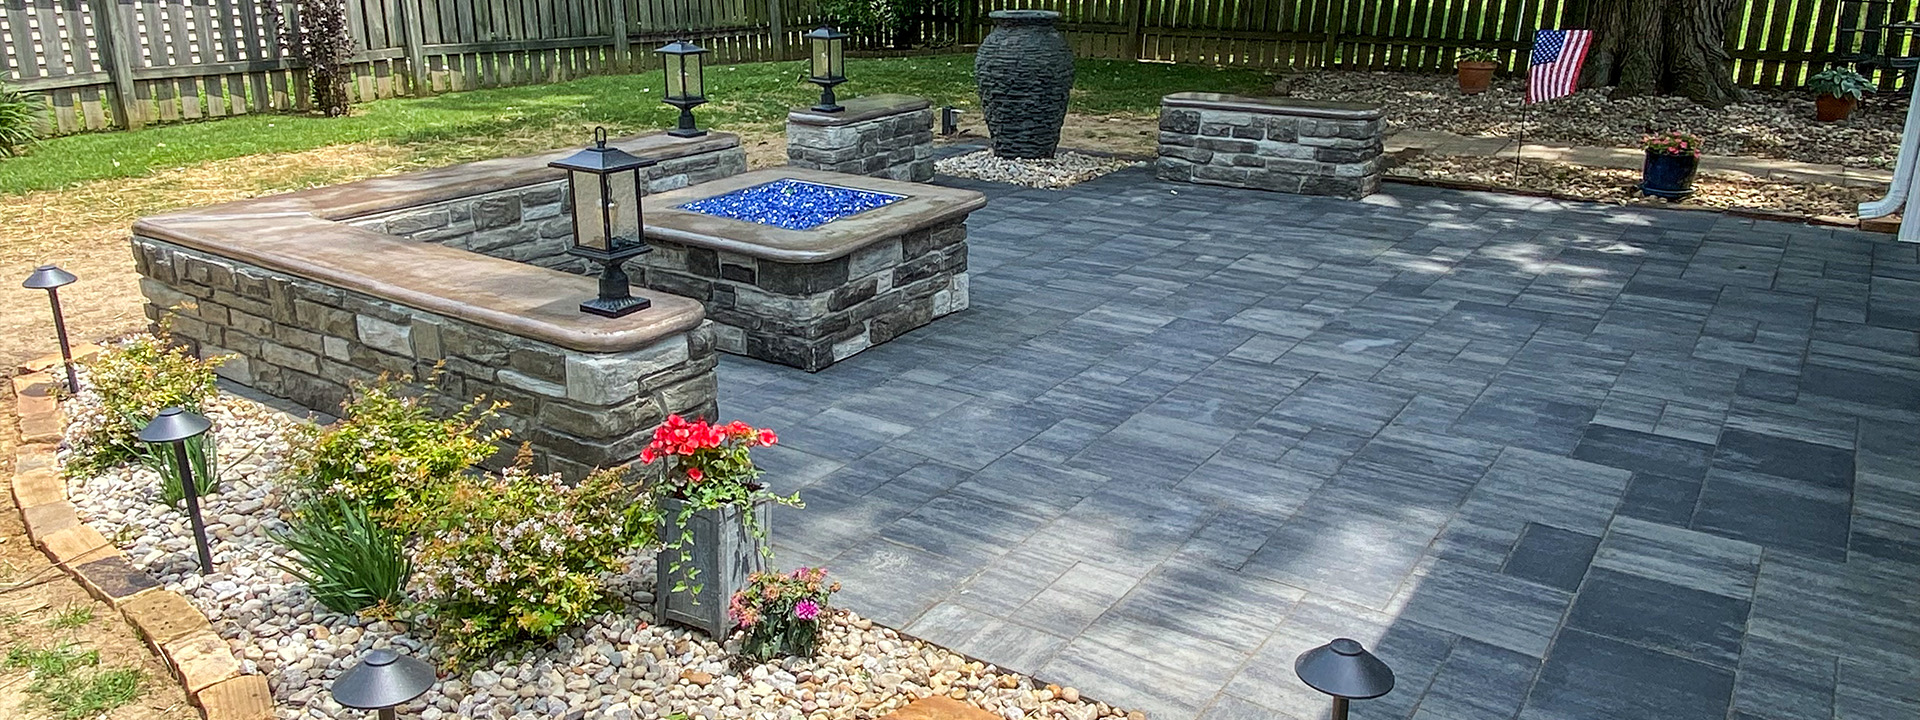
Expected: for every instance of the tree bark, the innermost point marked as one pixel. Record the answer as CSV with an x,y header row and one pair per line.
x,y
1671,47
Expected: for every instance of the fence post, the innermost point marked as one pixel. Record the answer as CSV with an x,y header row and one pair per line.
x,y
414,35
622,47
970,22
777,24
111,32
1136,17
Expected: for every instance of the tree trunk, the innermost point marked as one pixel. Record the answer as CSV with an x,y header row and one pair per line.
x,y
1673,47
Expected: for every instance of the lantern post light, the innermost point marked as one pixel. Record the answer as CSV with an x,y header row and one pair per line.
x,y
686,83
1346,671
176,426
51,278
829,65
607,228
382,681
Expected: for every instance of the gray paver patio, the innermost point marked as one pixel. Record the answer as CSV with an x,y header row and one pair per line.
x,y
1551,460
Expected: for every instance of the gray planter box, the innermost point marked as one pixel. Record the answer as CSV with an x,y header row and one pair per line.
x,y
724,553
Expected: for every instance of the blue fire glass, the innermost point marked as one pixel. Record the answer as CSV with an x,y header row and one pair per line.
x,y
792,204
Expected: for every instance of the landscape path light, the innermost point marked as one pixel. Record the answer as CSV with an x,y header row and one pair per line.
x,y
605,183
684,63
1346,671
829,65
382,681
51,278
175,426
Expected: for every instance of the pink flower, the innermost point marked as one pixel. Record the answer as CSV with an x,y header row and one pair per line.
x,y
806,610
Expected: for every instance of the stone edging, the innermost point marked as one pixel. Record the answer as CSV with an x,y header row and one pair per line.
x,y
195,655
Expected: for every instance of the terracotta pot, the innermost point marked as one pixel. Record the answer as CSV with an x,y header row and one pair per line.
x,y
1829,108
1475,76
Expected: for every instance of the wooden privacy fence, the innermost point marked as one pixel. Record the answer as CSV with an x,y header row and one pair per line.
x,y
126,63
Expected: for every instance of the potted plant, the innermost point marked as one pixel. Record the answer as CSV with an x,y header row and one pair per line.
x,y
1475,68
1672,159
714,516
780,614
1838,90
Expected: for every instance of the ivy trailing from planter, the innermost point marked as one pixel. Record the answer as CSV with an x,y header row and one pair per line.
x,y
320,42
708,467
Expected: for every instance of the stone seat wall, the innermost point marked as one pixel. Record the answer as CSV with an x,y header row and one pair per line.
x,y
889,136
1289,145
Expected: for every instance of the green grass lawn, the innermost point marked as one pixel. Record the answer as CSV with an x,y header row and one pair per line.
x,y
459,126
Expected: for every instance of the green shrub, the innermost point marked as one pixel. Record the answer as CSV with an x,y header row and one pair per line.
x,y
348,561
128,385
391,453
881,23
518,557
1478,55
20,118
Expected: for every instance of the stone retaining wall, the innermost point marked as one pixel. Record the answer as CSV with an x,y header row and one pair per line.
x,y
811,315
1281,144
306,341
889,136
534,224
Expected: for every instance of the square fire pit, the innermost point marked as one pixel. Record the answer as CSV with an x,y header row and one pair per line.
x,y
806,267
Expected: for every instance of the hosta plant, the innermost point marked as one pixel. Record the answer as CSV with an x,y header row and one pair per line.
x,y
708,467
780,614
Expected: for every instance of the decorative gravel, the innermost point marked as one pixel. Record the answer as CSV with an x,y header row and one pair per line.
x,y
1064,169
618,668
791,204
1773,124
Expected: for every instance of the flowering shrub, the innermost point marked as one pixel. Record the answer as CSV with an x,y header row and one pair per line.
x,y
707,467
1672,142
127,385
391,452
518,557
781,613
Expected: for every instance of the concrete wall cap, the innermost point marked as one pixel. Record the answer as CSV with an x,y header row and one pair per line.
x,y
860,109
1297,107
924,206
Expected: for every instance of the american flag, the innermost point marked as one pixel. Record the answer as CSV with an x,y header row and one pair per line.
x,y
1557,56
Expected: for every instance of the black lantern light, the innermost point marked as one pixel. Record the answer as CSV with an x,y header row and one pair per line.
x,y
829,65
1346,671
175,426
605,183
686,83
382,681
51,279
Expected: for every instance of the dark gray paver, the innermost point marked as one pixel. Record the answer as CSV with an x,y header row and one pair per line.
x,y
1550,460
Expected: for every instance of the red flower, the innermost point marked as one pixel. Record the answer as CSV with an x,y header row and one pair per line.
x,y
647,456
768,438
694,474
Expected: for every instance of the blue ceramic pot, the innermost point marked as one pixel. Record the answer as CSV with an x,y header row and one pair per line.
x,y
1668,176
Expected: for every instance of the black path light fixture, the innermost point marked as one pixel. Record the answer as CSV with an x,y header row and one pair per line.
x,y
829,65
175,426
686,83
605,184
1345,670
383,681
51,278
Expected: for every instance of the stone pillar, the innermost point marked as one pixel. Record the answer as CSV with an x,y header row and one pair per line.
x,y
1308,147
889,136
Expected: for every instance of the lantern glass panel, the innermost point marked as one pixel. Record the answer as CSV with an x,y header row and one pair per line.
x,y
837,57
676,66
623,207
590,231
696,76
822,58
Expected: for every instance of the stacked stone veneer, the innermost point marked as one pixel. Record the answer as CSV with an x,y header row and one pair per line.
x,y
534,224
889,136
1282,144
307,341
811,315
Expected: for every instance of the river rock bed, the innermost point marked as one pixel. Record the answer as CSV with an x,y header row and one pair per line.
x,y
1064,169
619,667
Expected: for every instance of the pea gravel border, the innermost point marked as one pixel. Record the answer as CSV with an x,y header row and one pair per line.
x,y
194,654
